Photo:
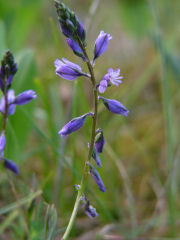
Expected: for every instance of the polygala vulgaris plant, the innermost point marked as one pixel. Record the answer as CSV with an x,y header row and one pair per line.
x,y
8,103
75,34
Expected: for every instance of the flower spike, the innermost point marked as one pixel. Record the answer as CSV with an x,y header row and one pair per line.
x,y
70,25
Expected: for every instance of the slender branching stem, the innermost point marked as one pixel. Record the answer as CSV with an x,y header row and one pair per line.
x,y
93,132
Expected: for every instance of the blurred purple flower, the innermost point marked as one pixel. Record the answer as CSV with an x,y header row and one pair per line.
x,y
11,166
75,47
10,100
90,211
73,125
99,141
68,70
115,106
101,44
25,97
95,175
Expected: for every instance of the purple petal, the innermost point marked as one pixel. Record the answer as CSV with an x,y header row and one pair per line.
x,y
65,30
71,64
25,97
9,80
81,31
73,125
75,47
101,44
67,73
58,63
12,106
67,70
95,175
115,106
11,166
102,86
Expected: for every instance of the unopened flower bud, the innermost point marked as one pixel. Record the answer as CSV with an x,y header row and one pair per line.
x,y
74,125
25,97
115,106
99,141
95,175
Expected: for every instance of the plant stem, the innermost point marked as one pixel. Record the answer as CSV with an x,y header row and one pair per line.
x,y
93,132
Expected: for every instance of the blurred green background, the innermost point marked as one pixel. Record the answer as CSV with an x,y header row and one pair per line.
x,y
142,152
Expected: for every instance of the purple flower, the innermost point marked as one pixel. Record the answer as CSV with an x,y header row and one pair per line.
x,y
73,125
114,106
25,97
103,85
75,47
11,166
113,76
96,158
90,211
68,70
101,44
99,141
10,100
2,143
95,175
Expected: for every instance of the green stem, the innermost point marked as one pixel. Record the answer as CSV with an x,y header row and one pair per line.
x,y
93,132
